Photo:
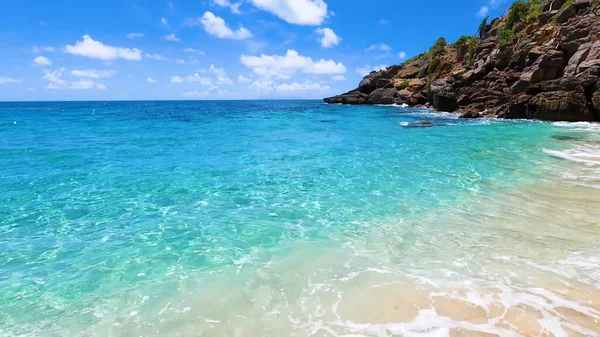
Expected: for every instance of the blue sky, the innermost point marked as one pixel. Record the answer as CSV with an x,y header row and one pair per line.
x,y
215,49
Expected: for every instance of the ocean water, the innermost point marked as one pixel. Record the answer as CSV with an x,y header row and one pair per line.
x,y
294,218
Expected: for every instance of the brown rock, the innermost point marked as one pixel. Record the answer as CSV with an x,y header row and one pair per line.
x,y
559,106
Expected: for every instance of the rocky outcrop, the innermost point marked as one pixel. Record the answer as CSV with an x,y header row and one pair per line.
x,y
544,67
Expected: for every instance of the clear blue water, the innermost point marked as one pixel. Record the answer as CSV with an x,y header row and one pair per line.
x,y
104,203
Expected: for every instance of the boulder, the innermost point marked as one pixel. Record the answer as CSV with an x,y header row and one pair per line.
x,y
472,114
517,107
580,55
383,96
569,83
596,101
566,14
446,103
559,106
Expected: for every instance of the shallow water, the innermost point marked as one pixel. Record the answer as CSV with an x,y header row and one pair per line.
x,y
294,218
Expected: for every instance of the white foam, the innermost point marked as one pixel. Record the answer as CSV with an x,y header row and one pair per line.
x,y
583,154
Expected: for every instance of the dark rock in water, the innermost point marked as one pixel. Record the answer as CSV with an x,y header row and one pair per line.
x,y
419,124
566,138
560,106
472,114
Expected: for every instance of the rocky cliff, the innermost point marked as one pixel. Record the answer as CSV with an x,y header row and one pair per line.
x,y
542,61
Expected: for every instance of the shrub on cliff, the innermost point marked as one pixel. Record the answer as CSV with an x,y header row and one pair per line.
x,y
482,25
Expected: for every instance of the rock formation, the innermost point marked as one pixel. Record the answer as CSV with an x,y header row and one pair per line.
x,y
542,61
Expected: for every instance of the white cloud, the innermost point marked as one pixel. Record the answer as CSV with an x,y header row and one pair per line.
x,y
55,79
328,37
402,55
285,66
263,85
157,57
483,11
134,35
224,80
367,69
83,84
383,22
217,71
150,80
196,78
301,87
339,78
37,50
97,50
192,50
42,61
92,73
381,46
180,61
242,79
57,82
300,12
164,21
208,91
216,26
172,37
8,80
234,7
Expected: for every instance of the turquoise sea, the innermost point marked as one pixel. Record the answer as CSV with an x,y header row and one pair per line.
x,y
294,218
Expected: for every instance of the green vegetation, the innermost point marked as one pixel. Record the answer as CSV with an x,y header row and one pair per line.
x,y
524,11
438,47
471,42
482,26
422,73
435,66
404,84
505,35
567,4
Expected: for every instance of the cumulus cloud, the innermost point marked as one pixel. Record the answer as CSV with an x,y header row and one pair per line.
x,y
263,85
234,7
381,46
42,61
296,87
299,12
134,35
164,21
8,80
195,78
56,81
367,69
328,37
285,66
150,80
97,50
242,79
92,73
402,55
339,78
157,57
216,26
172,37
483,11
